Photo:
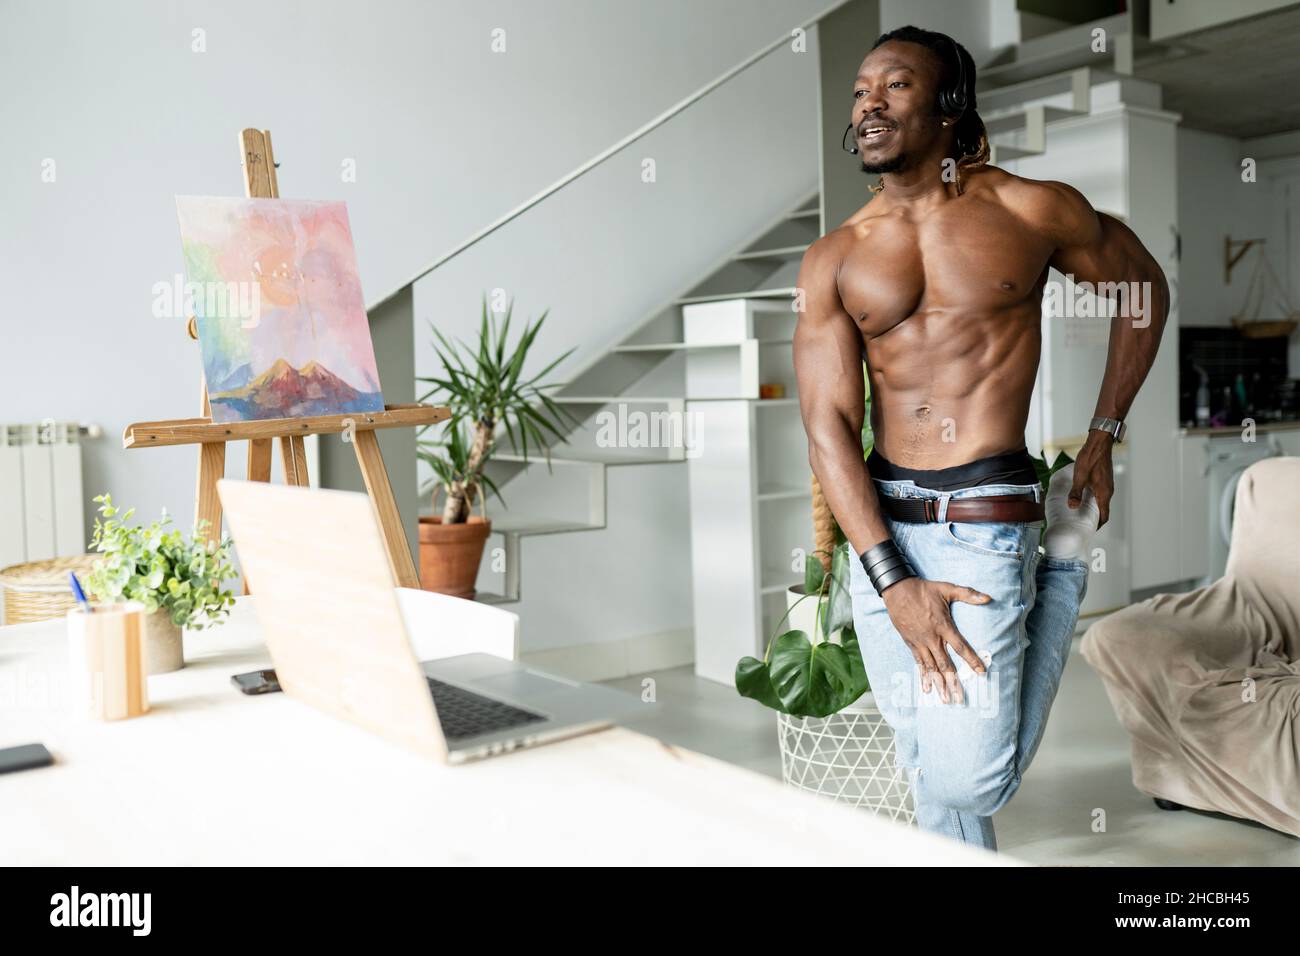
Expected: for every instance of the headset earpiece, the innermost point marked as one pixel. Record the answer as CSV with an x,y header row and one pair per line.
x,y
952,102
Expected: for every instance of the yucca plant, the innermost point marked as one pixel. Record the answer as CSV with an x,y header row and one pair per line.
x,y
484,388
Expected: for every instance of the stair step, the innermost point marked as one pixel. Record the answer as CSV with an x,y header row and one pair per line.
x,y
523,525
592,400
686,346
1066,50
782,252
1073,82
1018,119
1002,154
613,399
596,457
782,293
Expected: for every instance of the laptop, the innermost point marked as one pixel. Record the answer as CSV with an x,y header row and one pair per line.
x,y
329,611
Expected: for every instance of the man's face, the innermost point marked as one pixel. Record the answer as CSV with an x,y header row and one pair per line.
x,y
895,114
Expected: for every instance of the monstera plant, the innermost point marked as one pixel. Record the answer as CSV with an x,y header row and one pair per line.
x,y
1046,471
812,676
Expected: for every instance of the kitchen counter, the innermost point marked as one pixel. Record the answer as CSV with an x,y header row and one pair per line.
x,y
1286,426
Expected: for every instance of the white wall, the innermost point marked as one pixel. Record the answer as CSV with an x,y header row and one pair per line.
x,y
445,135
1214,202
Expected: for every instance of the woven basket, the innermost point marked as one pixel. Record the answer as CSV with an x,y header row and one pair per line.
x,y
39,590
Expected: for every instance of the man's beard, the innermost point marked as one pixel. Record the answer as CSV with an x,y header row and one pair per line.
x,y
885,166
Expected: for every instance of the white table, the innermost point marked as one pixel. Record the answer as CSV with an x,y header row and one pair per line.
x,y
211,776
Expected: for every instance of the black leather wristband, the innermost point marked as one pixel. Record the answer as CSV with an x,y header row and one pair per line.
x,y
886,565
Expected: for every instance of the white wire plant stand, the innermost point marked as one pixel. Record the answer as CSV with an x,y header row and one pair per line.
x,y
848,756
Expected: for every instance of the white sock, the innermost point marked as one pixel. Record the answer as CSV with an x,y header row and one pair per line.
x,y
1069,530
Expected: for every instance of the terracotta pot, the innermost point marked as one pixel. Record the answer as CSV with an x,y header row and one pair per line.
x,y
450,554
164,651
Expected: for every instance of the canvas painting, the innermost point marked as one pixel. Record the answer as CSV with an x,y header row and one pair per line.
x,y
282,325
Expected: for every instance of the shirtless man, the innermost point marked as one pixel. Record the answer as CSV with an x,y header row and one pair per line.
x,y
938,281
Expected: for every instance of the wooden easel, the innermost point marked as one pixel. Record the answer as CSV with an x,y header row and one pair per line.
x,y
211,437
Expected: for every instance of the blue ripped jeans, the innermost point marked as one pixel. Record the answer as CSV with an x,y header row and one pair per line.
x,y
965,760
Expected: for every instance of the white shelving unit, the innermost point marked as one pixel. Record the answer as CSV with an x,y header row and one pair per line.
x,y
749,489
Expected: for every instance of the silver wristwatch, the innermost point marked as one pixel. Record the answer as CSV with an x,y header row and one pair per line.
x,y
1111,426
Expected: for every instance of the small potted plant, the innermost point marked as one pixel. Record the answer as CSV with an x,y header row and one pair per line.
x,y
484,388
177,578
817,673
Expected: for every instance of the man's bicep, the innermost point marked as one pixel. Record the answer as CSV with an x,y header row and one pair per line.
x,y
1078,234
827,347
1119,269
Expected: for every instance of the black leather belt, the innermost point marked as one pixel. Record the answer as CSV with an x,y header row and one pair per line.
x,y
1001,508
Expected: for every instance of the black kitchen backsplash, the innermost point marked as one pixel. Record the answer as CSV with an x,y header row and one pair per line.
x,y
1264,391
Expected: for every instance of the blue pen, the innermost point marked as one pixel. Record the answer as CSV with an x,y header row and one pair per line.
x,y
79,594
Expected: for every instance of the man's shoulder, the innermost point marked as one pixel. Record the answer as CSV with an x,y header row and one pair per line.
x,y
826,252
1043,202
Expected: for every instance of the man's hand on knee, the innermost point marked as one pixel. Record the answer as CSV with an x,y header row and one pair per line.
x,y
921,614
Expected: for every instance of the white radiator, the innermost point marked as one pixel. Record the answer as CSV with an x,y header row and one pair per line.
x,y
41,505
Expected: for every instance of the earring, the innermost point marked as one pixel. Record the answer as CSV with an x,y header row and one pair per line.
x,y
945,122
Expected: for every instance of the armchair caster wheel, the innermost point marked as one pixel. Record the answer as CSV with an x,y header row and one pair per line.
x,y
1168,804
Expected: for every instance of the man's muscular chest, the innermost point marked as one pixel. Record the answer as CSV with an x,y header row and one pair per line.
x,y
952,264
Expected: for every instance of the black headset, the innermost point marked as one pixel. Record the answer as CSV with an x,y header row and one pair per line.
x,y
952,102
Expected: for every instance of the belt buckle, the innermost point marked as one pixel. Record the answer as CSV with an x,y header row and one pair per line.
x,y
931,512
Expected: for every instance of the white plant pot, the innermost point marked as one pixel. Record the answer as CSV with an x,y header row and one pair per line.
x,y
164,647
803,617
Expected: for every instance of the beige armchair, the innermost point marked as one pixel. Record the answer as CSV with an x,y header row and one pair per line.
x,y
1208,683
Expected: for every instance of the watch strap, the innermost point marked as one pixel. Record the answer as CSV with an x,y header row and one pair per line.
x,y
1111,426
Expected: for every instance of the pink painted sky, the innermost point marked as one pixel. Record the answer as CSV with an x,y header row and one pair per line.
x,y
300,255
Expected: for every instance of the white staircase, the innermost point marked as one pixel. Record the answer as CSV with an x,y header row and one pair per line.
x,y
645,392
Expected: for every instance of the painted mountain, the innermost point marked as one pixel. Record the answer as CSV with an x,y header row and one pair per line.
x,y
273,285
283,391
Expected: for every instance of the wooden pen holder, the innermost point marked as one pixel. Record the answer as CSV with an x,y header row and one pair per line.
x,y
107,649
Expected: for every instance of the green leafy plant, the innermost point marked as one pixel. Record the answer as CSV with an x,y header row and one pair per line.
x,y
160,567
868,436
1046,471
484,388
813,677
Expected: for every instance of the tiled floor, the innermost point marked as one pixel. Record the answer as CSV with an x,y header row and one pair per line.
x,y
1082,766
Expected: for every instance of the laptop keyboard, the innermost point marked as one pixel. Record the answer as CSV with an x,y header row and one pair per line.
x,y
463,713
